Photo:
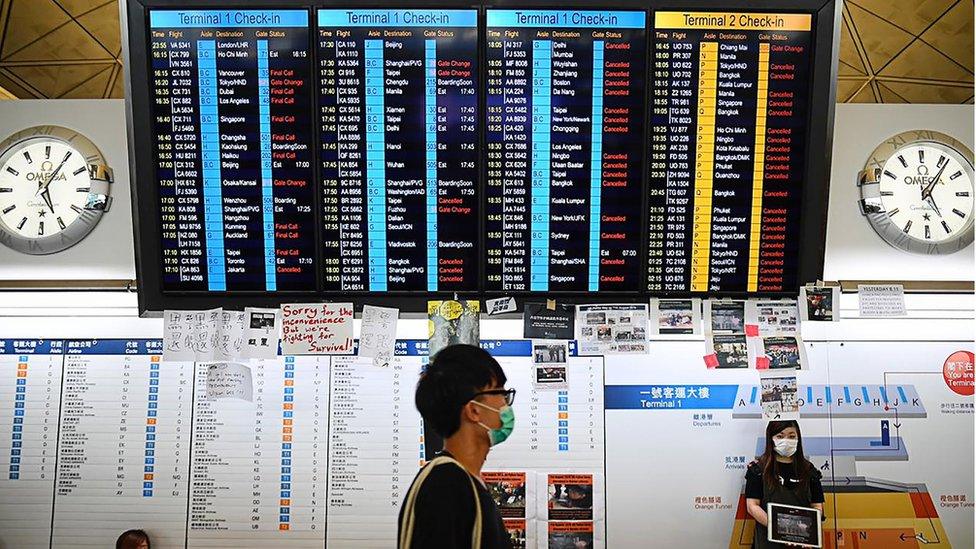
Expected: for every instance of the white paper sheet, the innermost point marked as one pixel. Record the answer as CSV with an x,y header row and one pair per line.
x,y
377,335
229,380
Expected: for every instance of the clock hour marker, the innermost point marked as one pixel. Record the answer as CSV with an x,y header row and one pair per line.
x,y
79,170
76,208
907,226
9,209
921,156
946,227
83,189
67,155
928,232
889,174
21,224
887,193
904,162
942,160
47,152
964,193
13,171
40,228
955,175
6,190
27,156
957,212
893,212
61,224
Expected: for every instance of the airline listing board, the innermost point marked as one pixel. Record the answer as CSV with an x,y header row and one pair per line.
x,y
344,150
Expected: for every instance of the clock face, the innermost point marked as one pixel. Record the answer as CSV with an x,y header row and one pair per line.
x,y
53,189
918,193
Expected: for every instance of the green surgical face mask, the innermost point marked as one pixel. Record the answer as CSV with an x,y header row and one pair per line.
x,y
507,415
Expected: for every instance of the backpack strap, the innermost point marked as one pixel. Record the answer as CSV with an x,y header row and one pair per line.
x,y
406,527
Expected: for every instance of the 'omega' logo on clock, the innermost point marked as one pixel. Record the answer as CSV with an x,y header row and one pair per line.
x,y
917,192
54,188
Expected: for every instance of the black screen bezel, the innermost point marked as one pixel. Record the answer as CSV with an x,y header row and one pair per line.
x,y
146,219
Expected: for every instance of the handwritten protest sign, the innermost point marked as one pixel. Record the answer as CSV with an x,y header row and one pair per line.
x,y
316,329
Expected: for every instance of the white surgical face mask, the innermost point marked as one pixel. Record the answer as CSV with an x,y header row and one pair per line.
x,y
785,447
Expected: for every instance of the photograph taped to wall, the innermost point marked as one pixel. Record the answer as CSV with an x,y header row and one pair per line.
x,y
570,535
611,329
675,317
819,303
262,332
511,491
784,352
724,316
547,351
569,496
519,533
730,350
779,397
773,316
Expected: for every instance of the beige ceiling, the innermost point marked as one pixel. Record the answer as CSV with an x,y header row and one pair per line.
x,y
892,51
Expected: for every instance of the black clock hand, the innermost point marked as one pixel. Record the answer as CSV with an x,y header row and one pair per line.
x,y
927,191
931,200
46,195
43,188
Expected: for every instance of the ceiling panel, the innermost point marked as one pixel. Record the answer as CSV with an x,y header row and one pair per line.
x,y
891,51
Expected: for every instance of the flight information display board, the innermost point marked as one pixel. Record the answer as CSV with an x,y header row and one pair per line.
x,y
398,109
565,111
230,97
727,152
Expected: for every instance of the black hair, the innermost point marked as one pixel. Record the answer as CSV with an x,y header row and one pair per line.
x,y
770,467
132,538
454,375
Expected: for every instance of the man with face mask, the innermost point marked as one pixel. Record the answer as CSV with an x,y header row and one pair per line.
x,y
462,397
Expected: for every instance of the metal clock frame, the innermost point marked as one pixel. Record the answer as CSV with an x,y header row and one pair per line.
x,y
872,207
99,197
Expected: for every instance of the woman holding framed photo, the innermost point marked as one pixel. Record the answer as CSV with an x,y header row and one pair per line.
x,y
781,475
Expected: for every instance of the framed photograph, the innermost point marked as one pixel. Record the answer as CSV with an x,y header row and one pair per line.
x,y
798,526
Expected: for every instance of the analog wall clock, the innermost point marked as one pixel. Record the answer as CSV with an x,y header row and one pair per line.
x,y
54,188
917,192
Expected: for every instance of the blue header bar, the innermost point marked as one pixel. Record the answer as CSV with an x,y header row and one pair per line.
x,y
569,19
31,346
114,347
669,397
398,18
191,19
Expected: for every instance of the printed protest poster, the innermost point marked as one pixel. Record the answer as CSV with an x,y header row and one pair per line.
x,y
511,492
611,329
570,535
317,329
570,496
730,350
783,353
676,316
542,322
262,332
819,303
778,396
452,322
725,317
771,317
